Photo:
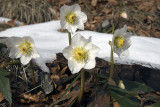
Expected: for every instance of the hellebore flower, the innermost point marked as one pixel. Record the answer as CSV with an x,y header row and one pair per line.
x,y
71,18
23,48
121,41
80,54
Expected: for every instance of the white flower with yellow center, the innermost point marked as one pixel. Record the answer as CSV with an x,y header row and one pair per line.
x,y
80,54
22,48
121,41
71,18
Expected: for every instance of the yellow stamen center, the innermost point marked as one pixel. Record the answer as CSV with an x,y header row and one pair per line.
x,y
25,48
71,17
80,54
119,42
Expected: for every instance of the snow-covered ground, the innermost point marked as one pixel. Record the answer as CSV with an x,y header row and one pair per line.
x,y
144,51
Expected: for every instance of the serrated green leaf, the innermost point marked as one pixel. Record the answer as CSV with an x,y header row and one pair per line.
x,y
119,90
136,86
124,101
156,104
5,85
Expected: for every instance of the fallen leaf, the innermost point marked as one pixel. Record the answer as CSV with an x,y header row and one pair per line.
x,y
12,23
1,97
114,2
94,3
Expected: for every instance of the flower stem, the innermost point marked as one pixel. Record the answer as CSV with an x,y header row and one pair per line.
x,y
3,65
32,74
82,87
13,63
111,62
69,37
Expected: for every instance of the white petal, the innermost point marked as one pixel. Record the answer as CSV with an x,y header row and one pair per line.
x,y
90,64
35,54
124,54
80,24
94,51
64,10
67,52
124,29
78,40
116,33
72,28
82,16
12,53
25,59
64,24
75,7
74,66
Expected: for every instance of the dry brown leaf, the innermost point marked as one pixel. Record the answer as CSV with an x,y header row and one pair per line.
x,y
1,97
63,70
114,2
30,97
4,22
71,100
130,28
22,24
59,88
105,10
64,76
116,104
101,100
146,6
111,82
94,3
55,77
12,23
143,33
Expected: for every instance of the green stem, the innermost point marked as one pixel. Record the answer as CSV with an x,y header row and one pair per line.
x,y
13,63
111,62
32,74
82,86
69,37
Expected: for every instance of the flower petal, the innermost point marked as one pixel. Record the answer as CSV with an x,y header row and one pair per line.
x,y
94,51
75,7
90,64
74,66
67,52
25,60
82,16
124,29
35,54
79,40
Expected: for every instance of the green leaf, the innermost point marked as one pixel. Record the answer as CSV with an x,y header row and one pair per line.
x,y
5,85
136,86
156,104
119,90
70,86
126,100
2,45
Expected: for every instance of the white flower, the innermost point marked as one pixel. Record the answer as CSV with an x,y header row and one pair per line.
x,y
80,54
23,48
71,18
121,41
